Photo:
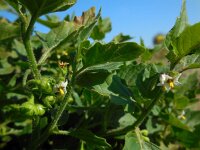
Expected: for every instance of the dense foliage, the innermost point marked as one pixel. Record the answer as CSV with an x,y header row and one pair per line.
x,y
67,89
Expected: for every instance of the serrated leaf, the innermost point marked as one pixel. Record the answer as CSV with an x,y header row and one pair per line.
x,y
41,7
8,30
102,53
186,43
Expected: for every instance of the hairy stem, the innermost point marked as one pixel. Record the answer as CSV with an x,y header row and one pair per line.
x,y
121,131
29,50
54,122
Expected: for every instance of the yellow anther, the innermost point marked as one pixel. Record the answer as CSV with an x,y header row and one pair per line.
x,y
182,117
61,91
171,84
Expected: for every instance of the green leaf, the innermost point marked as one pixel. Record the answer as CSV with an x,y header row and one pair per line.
x,y
180,102
8,30
193,118
41,7
74,31
187,42
187,138
126,120
102,53
19,47
96,74
147,81
180,25
121,38
3,5
90,138
188,62
103,27
134,141
130,72
5,68
115,89
174,121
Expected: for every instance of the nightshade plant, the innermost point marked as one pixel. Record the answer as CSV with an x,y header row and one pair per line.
x,y
67,89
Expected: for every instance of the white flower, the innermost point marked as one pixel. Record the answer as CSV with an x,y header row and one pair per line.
x,y
168,82
61,87
182,115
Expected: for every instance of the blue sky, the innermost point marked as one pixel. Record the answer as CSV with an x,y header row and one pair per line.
x,y
137,18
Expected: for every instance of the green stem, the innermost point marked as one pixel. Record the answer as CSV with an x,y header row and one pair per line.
x,y
53,124
121,131
29,50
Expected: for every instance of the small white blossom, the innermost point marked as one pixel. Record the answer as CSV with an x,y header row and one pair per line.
x,y
182,115
168,82
61,87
